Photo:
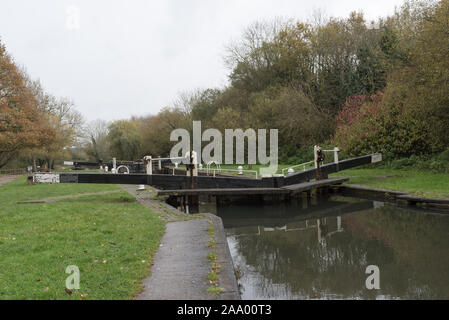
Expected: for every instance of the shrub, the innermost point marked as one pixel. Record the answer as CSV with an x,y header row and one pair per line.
x,y
424,162
367,125
444,156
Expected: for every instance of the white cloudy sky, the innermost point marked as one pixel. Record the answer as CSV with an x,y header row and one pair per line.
x,y
133,57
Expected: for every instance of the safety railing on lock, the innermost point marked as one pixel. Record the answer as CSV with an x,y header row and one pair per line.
x,y
291,169
220,170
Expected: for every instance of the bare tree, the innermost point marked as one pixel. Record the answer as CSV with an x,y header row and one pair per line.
x,y
252,39
96,142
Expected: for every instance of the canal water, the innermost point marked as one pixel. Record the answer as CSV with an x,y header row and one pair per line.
x,y
320,249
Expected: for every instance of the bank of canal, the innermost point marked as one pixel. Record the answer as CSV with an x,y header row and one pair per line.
x,y
182,265
319,248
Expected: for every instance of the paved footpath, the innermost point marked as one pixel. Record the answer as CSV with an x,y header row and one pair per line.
x,y
180,267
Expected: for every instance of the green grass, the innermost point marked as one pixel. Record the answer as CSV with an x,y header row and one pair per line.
x,y
215,267
109,237
18,190
421,183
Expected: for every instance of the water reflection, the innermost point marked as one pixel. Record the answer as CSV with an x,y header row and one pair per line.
x,y
320,250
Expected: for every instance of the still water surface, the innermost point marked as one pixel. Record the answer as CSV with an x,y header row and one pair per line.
x,y
319,249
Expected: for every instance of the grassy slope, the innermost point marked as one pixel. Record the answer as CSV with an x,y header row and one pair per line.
x,y
422,183
108,237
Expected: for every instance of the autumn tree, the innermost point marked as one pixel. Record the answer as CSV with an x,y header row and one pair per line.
x,y
21,124
156,129
412,116
389,76
64,120
422,83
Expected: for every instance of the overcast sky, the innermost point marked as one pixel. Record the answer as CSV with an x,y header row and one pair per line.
x,y
115,59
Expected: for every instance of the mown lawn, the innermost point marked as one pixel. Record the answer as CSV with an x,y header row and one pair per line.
x,y
421,183
111,239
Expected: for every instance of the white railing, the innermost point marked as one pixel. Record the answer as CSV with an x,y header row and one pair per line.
x,y
303,165
176,158
218,166
159,162
220,170
335,151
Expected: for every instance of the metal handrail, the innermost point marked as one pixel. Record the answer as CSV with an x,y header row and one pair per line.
x,y
219,170
176,158
298,165
218,166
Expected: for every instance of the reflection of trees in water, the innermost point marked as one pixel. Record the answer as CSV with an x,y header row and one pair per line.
x,y
408,247
420,242
308,268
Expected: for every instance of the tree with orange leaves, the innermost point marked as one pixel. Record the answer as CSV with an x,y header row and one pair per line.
x,y
21,124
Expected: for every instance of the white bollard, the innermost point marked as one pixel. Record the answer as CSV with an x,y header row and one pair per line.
x,y
240,169
336,151
106,168
290,171
149,165
315,156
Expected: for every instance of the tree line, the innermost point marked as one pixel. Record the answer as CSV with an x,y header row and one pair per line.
x,y
378,86
35,127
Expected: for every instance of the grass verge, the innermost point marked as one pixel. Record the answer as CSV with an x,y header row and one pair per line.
x,y
110,238
419,183
212,276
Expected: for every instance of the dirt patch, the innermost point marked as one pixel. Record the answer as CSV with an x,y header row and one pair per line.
x,y
72,196
8,178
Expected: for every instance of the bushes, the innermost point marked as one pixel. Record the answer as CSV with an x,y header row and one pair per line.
x,y
438,163
305,154
444,156
302,155
369,124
